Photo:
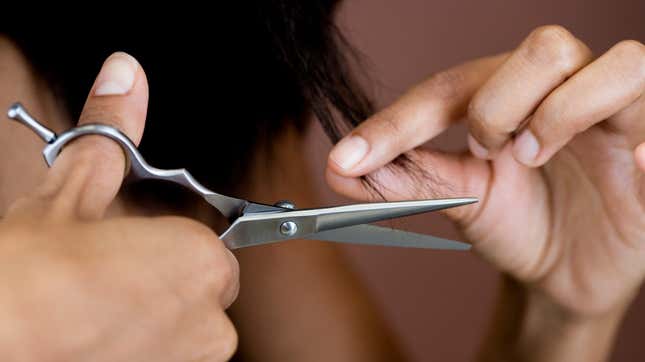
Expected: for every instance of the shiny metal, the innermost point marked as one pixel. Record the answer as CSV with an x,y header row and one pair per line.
x,y
288,228
254,223
376,235
230,207
285,204
261,228
18,113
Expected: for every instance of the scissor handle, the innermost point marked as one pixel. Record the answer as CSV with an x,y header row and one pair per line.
x,y
136,164
138,168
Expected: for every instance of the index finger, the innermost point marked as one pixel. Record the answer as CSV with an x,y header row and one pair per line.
x,y
418,116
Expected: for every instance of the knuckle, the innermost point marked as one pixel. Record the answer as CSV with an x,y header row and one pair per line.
x,y
480,117
385,123
631,49
553,45
191,230
631,53
226,273
194,228
208,258
229,344
225,343
446,85
550,112
388,122
477,111
194,240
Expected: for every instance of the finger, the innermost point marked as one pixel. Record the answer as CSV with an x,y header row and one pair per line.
x,y
418,116
639,155
605,87
219,338
429,174
547,57
232,280
205,334
88,173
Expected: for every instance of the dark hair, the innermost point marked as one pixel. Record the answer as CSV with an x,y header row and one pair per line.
x,y
222,85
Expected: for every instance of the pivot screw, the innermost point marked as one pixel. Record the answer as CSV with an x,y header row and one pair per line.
x,y
285,204
288,228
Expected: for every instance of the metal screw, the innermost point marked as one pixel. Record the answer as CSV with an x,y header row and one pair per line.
x,y
288,228
285,204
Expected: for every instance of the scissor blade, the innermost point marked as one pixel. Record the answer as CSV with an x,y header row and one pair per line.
x,y
265,226
376,235
342,216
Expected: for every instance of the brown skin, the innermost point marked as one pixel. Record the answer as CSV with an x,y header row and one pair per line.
x,y
78,286
567,225
83,278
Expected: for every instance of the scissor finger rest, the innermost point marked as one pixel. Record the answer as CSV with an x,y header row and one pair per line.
x,y
137,165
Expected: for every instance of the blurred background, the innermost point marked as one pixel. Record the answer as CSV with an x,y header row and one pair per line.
x,y
439,302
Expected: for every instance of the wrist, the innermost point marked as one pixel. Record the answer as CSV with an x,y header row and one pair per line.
x,y
552,332
529,326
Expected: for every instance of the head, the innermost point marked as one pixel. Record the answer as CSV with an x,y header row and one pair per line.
x,y
223,87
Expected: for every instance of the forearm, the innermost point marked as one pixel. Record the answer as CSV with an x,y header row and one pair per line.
x,y
526,327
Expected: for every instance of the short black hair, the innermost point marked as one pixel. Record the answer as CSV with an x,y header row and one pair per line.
x,y
223,83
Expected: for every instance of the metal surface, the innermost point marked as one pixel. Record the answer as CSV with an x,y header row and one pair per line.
x,y
18,113
264,227
376,235
285,204
288,228
254,223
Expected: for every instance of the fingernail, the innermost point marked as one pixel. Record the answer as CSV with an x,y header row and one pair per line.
x,y
526,147
476,148
349,152
117,75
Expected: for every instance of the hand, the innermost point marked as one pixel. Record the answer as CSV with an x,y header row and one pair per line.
x,y
75,285
557,160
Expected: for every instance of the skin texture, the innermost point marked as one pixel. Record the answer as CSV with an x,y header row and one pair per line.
x,y
79,286
101,282
564,222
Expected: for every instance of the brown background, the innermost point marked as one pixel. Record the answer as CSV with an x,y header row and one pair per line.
x,y
439,302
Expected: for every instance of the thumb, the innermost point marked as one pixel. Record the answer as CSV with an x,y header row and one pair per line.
x,y
88,173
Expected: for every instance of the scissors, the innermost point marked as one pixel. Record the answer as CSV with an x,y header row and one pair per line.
x,y
252,223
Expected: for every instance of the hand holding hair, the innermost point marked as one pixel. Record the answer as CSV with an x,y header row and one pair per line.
x,y
557,144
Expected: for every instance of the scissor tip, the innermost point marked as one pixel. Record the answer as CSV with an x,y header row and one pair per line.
x,y
465,201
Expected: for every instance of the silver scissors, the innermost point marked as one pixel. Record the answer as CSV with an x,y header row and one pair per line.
x,y
253,223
